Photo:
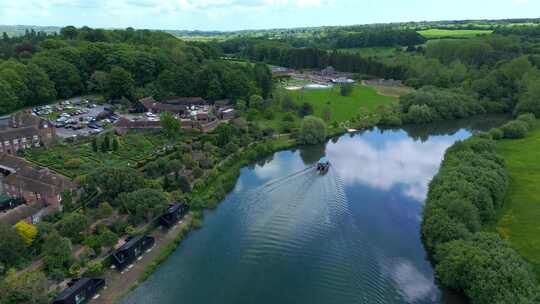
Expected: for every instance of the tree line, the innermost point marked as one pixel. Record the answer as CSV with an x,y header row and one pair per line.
x,y
463,196
119,64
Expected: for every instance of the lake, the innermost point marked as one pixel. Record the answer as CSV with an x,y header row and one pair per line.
x,y
289,235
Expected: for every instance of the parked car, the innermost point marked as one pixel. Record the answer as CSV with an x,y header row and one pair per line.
x,y
95,131
94,125
91,105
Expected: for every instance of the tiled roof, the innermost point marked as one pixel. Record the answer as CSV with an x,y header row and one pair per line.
x,y
13,133
141,124
12,163
21,212
186,101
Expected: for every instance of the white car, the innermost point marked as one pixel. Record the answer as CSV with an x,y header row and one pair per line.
x,y
150,114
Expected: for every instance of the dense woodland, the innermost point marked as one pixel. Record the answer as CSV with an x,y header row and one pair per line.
x,y
38,68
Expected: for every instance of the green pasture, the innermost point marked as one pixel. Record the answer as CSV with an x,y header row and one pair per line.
x,y
342,107
519,220
440,33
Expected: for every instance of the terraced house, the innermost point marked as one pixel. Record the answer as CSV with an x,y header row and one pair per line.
x,y
23,130
38,188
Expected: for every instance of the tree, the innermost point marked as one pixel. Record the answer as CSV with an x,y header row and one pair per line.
x,y
530,100
256,102
40,85
346,89
121,83
183,183
72,226
99,82
327,113
105,144
263,77
8,98
65,76
112,181
287,103
57,256
29,287
486,269
107,238
70,32
515,129
94,144
312,131
241,105
115,144
305,109
28,232
142,204
11,246
169,124
105,210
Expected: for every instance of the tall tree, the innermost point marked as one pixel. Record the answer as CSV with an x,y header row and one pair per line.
x,y
121,83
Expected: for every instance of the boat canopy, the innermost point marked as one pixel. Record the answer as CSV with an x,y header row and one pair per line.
x,y
324,160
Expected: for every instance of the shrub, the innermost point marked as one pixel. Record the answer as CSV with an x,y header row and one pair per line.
x,y
74,163
496,133
421,114
528,118
94,269
515,129
346,90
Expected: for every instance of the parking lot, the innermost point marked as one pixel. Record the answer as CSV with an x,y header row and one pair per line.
x,y
77,117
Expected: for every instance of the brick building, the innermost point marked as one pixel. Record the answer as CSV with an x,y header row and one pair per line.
x,y
23,130
38,187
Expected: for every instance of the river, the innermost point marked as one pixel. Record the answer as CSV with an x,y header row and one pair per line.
x,y
288,235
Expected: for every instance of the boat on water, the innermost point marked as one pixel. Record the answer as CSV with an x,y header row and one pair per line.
x,y
323,165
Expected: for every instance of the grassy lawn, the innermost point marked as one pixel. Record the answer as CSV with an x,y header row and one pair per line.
x,y
519,220
342,107
439,33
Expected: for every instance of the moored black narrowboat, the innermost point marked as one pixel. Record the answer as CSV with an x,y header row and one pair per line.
x,y
79,291
173,214
131,250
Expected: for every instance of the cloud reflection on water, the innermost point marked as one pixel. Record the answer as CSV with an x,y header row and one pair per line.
x,y
390,163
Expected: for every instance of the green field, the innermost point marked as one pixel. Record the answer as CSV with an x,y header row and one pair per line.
x,y
342,107
439,33
519,220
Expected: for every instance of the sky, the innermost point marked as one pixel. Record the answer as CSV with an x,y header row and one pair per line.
x,y
226,15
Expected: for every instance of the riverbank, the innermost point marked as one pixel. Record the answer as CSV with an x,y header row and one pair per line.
x,y
118,284
462,203
518,219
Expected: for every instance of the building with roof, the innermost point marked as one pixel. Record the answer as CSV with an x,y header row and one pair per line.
x,y
79,291
24,130
38,188
176,105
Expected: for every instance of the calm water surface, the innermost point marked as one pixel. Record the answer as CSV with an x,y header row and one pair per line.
x,y
288,235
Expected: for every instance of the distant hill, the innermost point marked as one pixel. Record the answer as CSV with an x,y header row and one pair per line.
x,y
19,30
